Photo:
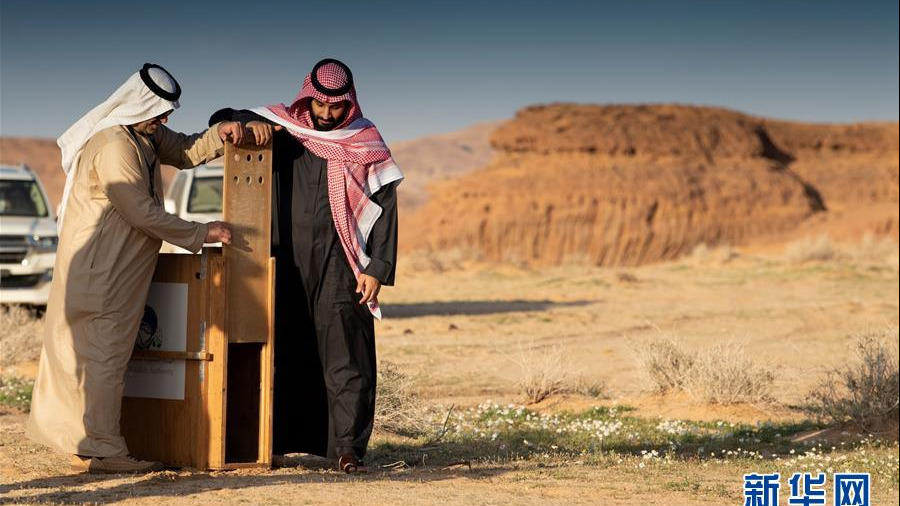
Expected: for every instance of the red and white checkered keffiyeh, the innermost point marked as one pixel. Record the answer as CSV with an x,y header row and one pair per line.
x,y
359,161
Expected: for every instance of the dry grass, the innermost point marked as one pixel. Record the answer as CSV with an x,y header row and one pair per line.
x,y
626,277
869,251
398,409
664,362
703,254
20,335
543,372
588,388
864,391
546,371
872,251
811,249
725,374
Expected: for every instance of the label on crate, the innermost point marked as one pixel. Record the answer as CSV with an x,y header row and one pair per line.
x,y
163,328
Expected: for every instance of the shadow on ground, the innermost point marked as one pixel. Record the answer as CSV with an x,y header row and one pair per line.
x,y
71,488
477,307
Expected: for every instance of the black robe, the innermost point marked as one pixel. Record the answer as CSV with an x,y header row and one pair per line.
x,y
325,368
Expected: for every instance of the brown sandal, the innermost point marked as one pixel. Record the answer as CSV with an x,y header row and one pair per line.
x,y
349,464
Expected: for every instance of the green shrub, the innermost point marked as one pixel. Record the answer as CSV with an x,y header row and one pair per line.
x,y
16,392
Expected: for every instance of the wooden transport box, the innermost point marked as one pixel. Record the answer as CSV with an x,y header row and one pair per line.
x,y
199,386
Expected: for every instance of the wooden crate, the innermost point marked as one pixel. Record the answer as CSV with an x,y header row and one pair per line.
x,y
215,329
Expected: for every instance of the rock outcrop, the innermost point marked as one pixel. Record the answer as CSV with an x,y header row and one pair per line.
x,y
625,185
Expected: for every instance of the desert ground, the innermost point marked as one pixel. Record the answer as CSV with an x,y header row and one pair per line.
x,y
466,338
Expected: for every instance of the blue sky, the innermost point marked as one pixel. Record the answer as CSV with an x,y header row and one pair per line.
x,y
429,67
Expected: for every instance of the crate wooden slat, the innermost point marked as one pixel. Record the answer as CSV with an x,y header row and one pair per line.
x,y
212,449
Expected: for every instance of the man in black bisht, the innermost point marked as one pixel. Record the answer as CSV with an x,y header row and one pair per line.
x,y
334,236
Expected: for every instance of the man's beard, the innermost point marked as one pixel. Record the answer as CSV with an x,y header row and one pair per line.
x,y
324,127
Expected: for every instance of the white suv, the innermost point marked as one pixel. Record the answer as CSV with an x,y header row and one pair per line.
x,y
28,238
195,195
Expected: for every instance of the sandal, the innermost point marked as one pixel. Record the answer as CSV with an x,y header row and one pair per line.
x,y
349,464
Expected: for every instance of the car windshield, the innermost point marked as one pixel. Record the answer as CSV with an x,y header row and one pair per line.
x,y
206,195
22,198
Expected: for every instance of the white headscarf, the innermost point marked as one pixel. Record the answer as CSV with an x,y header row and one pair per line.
x,y
132,103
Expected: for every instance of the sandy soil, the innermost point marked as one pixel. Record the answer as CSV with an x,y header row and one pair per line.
x,y
462,334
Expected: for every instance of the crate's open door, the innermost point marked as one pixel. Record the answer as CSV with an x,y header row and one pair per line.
x,y
249,305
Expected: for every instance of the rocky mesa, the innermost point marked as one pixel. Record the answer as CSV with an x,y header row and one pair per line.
x,y
632,184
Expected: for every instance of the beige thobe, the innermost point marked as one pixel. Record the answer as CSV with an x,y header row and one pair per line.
x,y
108,247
